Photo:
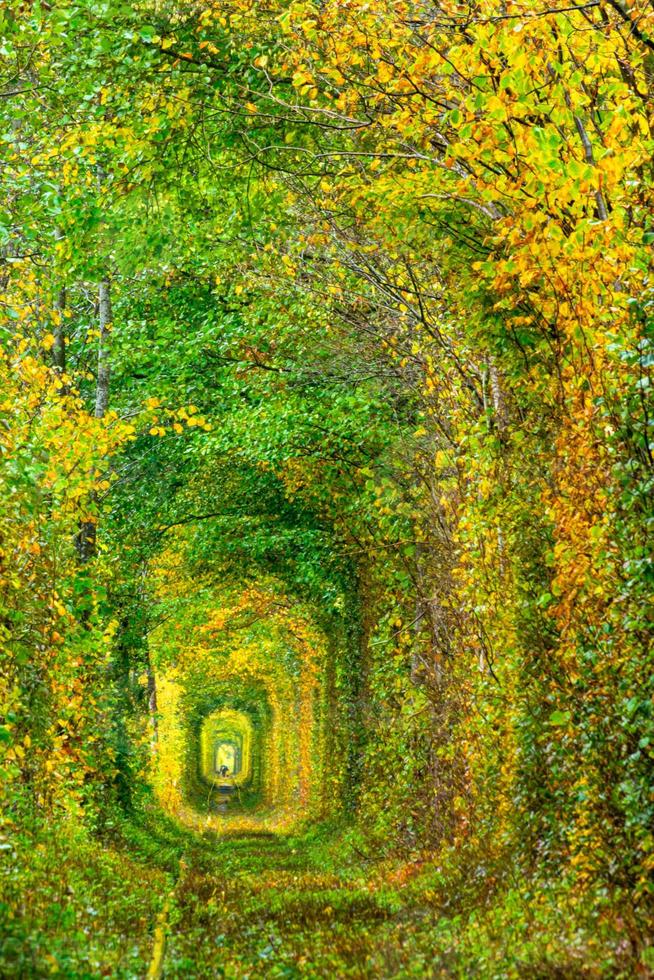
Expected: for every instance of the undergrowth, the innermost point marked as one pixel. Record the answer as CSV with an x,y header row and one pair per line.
x,y
312,905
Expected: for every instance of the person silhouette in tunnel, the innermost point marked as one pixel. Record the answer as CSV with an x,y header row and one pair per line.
x,y
224,771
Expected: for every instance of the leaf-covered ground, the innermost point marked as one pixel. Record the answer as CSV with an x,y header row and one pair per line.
x,y
303,906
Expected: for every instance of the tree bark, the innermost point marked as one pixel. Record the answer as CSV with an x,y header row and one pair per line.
x,y
87,537
497,395
59,349
104,366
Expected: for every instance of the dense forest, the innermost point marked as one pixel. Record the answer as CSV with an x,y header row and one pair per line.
x,y
326,456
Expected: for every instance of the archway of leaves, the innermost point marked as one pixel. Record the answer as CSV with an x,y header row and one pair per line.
x,y
226,749
243,666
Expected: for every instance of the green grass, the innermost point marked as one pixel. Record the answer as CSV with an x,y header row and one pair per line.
x,y
313,905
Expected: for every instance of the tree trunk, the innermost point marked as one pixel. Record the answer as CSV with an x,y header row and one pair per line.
x,y
497,394
59,348
86,539
104,367
153,707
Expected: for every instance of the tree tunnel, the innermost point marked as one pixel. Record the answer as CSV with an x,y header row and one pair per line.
x,y
245,711
226,748
226,731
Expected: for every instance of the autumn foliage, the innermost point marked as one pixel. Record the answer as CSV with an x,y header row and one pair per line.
x,y
327,362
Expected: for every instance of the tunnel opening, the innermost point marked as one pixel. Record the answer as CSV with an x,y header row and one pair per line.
x,y
227,758
228,726
245,717
226,744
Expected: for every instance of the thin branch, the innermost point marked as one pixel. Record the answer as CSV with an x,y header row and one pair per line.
x,y
634,28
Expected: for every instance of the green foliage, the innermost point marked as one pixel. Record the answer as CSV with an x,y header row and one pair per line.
x,y
368,293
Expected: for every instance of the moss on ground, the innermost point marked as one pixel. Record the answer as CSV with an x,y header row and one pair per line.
x,y
313,905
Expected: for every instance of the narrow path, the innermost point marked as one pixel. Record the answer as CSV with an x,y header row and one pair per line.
x,y
160,932
267,906
155,970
